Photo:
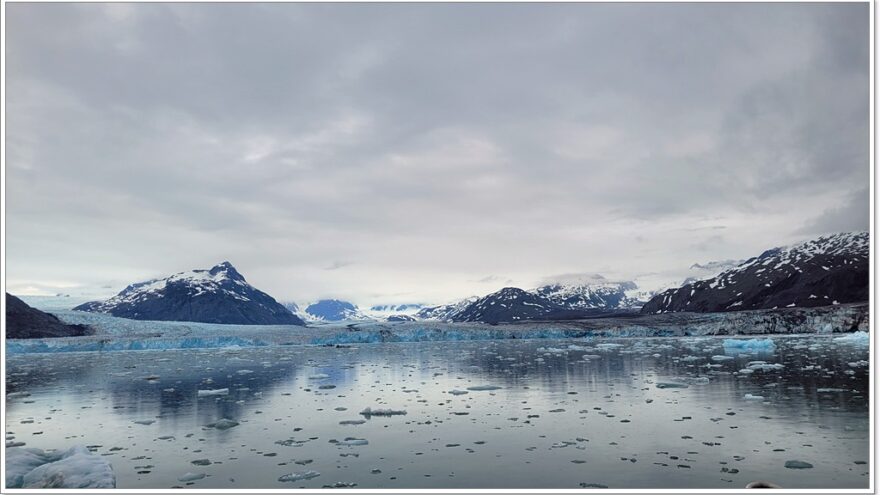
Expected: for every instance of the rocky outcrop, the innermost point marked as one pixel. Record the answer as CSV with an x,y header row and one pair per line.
x,y
25,322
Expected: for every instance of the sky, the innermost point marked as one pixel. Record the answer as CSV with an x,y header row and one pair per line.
x,y
393,153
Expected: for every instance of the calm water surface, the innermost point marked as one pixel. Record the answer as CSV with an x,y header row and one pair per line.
x,y
590,415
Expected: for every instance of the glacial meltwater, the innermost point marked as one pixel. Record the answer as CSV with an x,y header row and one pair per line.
x,y
621,413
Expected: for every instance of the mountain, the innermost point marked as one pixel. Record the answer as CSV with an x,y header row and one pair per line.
x,y
591,291
382,312
396,308
820,272
445,312
507,305
25,322
217,295
334,310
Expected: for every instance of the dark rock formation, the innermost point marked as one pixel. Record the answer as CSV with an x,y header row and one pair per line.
x,y
25,322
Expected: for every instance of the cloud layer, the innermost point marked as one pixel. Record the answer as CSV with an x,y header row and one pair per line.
x,y
421,152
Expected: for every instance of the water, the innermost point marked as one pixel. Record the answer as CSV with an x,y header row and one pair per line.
x,y
557,420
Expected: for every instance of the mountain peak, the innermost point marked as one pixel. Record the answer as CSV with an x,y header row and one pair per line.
x,y
217,295
226,268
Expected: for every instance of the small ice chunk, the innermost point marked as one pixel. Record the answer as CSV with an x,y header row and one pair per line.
x,y
306,475
319,376
144,421
352,422
382,412
753,397
798,465
672,385
216,391
761,365
191,477
722,358
353,442
223,424
458,392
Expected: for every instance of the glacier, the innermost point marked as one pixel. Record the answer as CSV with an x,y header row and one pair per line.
x,y
119,334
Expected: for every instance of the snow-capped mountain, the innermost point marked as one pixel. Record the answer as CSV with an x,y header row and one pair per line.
x,y
591,291
334,310
396,308
825,271
382,312
509,304
217,295
445,312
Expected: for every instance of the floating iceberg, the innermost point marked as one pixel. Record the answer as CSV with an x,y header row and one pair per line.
x,y
855,338
749,345
72,468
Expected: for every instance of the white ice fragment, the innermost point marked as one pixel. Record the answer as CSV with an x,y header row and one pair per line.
x,y
307,475
382,412
753,397
73,468
353,442
216,391
854,338
223,424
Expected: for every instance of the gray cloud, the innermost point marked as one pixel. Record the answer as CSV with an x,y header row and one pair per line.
x,y
853,214
423,141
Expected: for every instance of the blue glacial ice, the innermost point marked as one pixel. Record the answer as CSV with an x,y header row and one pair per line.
x,y
855,338
749,345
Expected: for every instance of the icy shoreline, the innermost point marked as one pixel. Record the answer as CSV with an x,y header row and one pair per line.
x,y
117,334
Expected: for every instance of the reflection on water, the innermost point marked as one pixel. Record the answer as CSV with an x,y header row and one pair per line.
x,y
567,414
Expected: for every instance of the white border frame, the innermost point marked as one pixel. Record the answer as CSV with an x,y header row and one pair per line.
x,y
873,337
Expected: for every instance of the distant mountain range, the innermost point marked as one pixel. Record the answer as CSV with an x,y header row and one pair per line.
x,y
820,272
825,271
333,310
217,295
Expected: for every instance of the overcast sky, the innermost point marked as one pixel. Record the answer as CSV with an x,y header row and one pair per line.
x,y
422,153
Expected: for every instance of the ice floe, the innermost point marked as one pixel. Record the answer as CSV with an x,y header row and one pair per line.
x,y
72,468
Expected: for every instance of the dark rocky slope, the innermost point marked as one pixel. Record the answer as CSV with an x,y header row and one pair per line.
x,y
826,271
218,295
25,322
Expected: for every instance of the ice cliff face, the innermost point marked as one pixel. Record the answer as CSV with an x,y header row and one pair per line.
x,y
826,271
217,295
117,334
